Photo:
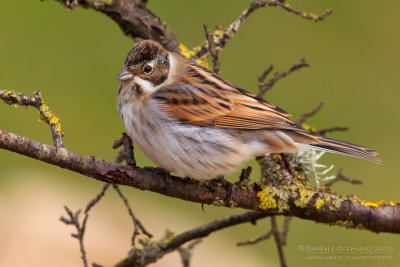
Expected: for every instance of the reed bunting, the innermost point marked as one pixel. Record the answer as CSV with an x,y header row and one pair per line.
x,y
189,120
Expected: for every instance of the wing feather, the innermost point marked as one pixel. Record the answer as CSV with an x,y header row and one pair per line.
x,y
221,108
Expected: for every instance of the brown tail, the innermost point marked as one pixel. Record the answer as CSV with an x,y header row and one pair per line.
x,y
334,146
344,148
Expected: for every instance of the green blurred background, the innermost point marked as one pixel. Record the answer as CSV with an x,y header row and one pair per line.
x,y
74,57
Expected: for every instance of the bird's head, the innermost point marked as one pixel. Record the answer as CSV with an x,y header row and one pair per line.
x,y
147,64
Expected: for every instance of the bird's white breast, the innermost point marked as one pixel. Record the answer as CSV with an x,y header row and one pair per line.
x,y
188,150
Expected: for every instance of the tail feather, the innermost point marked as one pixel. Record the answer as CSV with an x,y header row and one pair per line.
x,y
345,148
305,139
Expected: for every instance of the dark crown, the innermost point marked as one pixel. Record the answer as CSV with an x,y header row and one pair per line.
x,y
145,51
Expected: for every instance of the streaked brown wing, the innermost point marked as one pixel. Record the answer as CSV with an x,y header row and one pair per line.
x,y
222,108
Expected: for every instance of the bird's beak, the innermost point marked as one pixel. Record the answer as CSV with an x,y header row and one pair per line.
x,y
125,75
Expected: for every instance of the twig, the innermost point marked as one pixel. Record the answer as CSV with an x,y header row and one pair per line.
x,y
11,97
265,86
285,231
244,177
127,152
278,241
96,200
223,37
255,241
128,148
138,226
306,115
80,229
120,156
269,234
341,177
117,143
155,250
261,79
186,253
212,48
324,131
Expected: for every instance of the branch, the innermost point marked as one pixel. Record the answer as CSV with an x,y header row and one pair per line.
x,y
186,252
223,37
138,226
340,177
133,18
265,86
212,48
302,118
319,205
278,241
153,251
80,229
324,131
45,114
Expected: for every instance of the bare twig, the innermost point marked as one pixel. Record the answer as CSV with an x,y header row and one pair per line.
x,y
306,115
128,148
138,226
223,37
127,152
341,177
155,250
80,229
212,48
11,97
274,231
262,78
120,156
278,241
255,241
244,177
324,131
96,200
74,220
265,86
186,252
117,143
285,231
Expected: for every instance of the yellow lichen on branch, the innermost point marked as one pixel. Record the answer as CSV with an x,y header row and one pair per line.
x,y
187,53
303,196
45,113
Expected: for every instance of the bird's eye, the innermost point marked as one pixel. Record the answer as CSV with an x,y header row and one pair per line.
x,y
147,69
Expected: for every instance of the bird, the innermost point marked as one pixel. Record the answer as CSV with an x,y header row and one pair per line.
x,y
189,120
